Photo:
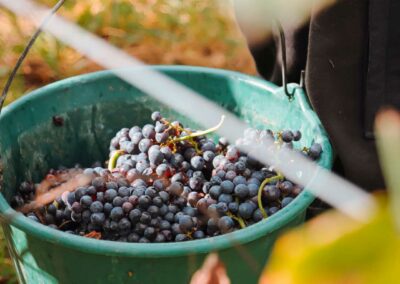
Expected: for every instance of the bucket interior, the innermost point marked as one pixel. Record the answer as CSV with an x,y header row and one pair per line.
x,y
94,107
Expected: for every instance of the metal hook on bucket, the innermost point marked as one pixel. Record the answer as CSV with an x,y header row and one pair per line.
x,y
26,50
284,66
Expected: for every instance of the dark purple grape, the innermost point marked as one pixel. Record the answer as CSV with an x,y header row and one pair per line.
x,y
51,209
186,223
315,151
239,180
232,154
233,207
167,152
70,198
286,201
110,194
133,238
148,131
253,181
241,191
127,207
135,215
80,192
181,238
86,201
161,137
229,167
133,199
178,177
196,183
118,201
124,224
145,218
202,205
286,187
217,161
175,189
153,211
198,235
97,218
116,213
197,163
287,136
226,224
215,180
111,185
227,186
193,197
215,191
257,215
212,226
151,192
96,207
160,238
144,145
240,167
189,153
246,210
208,146
142,165
221,207
208,156
225,198
144,201
221,174
271,192
253,189
272,210
156,116
230,175
123,191
76,217
296,135
160,127
176,160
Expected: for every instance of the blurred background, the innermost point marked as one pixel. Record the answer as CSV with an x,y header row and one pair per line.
x,y
190,32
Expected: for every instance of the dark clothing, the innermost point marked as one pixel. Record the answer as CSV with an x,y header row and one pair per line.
x,y
351,54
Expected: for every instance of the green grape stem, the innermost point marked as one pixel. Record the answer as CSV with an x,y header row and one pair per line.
x,y
241,222
200,133
112,163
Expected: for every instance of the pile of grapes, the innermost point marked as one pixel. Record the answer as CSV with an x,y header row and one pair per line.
x,y
164,183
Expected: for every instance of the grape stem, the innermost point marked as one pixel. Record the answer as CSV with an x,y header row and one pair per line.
x,y
200,133
278,177
238,219
112,163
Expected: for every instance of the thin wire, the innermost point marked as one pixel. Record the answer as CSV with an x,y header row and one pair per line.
x,y
26,50
284,61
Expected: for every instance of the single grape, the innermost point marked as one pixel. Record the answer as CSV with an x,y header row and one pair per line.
x,y
156,116
226,224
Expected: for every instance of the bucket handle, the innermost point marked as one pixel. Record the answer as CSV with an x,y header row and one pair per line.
x,y
26,50
282,39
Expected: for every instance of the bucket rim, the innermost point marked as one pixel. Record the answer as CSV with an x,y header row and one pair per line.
x,y
240,237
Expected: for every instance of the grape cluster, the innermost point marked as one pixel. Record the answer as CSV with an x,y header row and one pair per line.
x,y
165,182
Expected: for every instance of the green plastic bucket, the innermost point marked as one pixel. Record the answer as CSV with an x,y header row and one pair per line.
x,y
94,107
